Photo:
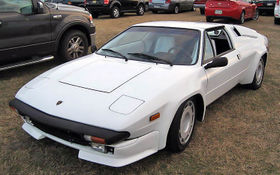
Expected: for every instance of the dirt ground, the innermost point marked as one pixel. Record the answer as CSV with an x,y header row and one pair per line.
x,y
240,135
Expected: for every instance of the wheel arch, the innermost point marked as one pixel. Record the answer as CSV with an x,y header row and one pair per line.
x,y
74,26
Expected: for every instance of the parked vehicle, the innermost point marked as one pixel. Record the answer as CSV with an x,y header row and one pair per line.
x,y
239,10
115,8
33,31
173,6
277,13
201,5
143,90
265,6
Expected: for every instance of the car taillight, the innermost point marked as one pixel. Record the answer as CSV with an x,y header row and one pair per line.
x,y
167,1
150,1
85,2
259,4
277,2
106,1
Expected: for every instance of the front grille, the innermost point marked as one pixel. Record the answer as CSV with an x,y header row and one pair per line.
x,y
61,133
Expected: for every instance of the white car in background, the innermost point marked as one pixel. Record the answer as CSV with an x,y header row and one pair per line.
x,y
277,13
143,90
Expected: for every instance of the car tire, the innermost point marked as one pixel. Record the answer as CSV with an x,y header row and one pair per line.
x,y
115,12
146,7
242,18
176,9
256,16
209,19
202,11
155,11
182,126
276,20
140,10
258,77
73,45
192,9
95,15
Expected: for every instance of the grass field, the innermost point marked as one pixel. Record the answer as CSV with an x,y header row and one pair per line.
x,y
240,135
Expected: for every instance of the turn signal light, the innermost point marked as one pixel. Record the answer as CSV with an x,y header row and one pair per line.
x,y
94,139
13,108
69,2
106,1
167,1
154,117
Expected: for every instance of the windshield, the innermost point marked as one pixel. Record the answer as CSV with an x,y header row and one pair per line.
x,y
155,44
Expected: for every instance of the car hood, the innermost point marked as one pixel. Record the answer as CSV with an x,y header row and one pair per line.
x,y
65,7
103,76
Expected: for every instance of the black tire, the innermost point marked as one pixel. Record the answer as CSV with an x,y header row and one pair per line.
x,y
76,40
115,12
276,20
146,7
95,15
209,19
258,79
202,11
176,9
192,9
242,18
140,10
174,139
256,16
155,11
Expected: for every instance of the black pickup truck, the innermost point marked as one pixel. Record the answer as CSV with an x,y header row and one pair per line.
x,y
33,31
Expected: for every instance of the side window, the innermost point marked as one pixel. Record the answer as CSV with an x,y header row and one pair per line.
x,y
24,7
220,41
208,50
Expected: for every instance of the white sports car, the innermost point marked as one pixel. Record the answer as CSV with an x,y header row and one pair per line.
x,y
143,90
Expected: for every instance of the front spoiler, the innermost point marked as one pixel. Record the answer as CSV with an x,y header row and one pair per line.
x,y
125,152
36,115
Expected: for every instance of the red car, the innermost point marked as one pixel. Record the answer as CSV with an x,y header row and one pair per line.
x,y
239,10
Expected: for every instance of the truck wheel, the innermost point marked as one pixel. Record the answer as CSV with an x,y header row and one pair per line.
x,y
182,126
115,12
140,10
202,11
73,45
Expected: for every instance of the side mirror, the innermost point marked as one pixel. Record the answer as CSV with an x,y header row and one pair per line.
x,y
40,7
217,62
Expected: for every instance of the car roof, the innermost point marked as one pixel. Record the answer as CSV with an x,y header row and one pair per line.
x,y
181,24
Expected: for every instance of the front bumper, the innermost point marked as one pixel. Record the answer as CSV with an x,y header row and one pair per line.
x,y
125,152
201,6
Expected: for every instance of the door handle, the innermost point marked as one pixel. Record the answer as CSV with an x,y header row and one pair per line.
x,y
57,16
238,56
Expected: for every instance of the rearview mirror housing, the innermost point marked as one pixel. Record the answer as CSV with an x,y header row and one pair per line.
x,y
40,8
217,62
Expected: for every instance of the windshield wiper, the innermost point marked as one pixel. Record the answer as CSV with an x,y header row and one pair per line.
x,y
118,53
150,57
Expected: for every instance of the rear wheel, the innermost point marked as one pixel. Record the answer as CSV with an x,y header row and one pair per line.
x,y
242,18
258,77
209,19
182,126
115,12
276,20
176,9
73,45
140,10
202,11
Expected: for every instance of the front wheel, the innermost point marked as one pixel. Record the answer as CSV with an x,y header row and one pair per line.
x,y
256,16
140,10
202,11
73,45
115,12
242,18
182,126
258,77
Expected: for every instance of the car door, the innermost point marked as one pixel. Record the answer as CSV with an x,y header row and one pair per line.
x,y
221,79
23,32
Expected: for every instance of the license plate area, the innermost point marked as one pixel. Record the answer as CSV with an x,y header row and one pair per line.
x,y
218,12
269,4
